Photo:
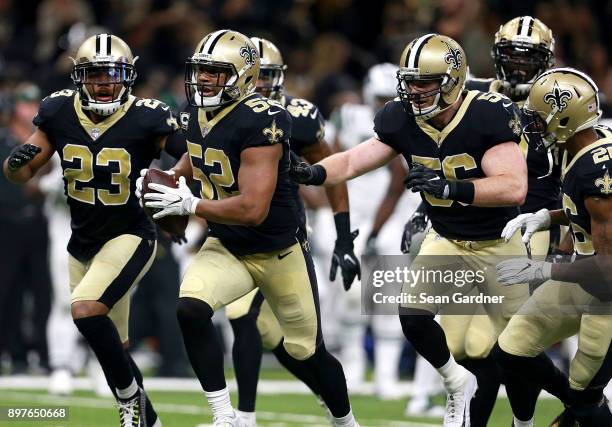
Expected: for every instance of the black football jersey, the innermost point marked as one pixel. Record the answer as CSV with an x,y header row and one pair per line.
x,y
215,145
484,120
307,128
482,85
543,168
588,174
101,162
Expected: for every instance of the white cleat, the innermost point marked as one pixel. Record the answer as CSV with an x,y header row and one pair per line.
x,y
458,403
226,421
60,382
132,411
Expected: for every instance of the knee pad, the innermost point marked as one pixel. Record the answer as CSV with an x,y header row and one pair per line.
x,y
299,351
192,310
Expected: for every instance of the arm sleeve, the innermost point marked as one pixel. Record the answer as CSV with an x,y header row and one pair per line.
x,y
162,122
382,126
47,109
500,122
306,130
266,129
594,180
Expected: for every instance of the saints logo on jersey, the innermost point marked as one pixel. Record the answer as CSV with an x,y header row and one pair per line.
x,y
605,183
515,125
558,97
249,54
453,57
273,133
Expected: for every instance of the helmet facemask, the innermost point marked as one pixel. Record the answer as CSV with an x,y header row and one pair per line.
x,y
519,64
270,81
414,101
536,130
103,86
210,84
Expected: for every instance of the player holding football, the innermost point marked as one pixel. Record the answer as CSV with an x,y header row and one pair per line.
x,y
468,174
103,136
238,149
563,109
251,311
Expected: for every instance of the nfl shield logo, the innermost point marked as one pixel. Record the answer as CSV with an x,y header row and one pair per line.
x,y
205,131
95,133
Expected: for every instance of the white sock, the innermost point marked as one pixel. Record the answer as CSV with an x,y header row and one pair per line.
x,y
220,402
346,421
248,418
128,392
453,374
519,423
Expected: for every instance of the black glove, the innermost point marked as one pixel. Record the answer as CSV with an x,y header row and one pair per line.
x,y
303,173
421,178
416,224
22,155
343,256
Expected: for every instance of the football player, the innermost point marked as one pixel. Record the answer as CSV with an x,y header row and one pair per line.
x,y
103,136
468,174
307,140
523,49
563,109
238,148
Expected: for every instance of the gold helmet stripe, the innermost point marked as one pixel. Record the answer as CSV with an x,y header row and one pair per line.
x,y
212,41
412,60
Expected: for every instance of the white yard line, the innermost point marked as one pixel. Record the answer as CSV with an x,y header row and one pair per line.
x,y
280,419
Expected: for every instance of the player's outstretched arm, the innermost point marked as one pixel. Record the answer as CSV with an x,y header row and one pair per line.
x,y
340,167
25,160
506,177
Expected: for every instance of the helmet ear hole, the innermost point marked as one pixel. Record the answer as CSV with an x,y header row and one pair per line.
x,y
563,121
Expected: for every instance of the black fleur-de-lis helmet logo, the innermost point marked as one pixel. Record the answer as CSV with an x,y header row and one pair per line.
x,y
249,54
557,98
453,57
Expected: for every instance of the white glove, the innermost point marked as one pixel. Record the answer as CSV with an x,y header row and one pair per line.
x,y
523,270
171,201
140,180
532,221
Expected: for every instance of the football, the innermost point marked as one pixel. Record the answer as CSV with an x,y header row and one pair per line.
x,y
172,224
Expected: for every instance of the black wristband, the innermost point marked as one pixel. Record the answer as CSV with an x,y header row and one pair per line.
x,y
319,174
343,225
461,191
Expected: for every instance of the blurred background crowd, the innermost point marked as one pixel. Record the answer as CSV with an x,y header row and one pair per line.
x,y
328,46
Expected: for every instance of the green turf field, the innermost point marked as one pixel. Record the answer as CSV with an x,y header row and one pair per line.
x,y
190,410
